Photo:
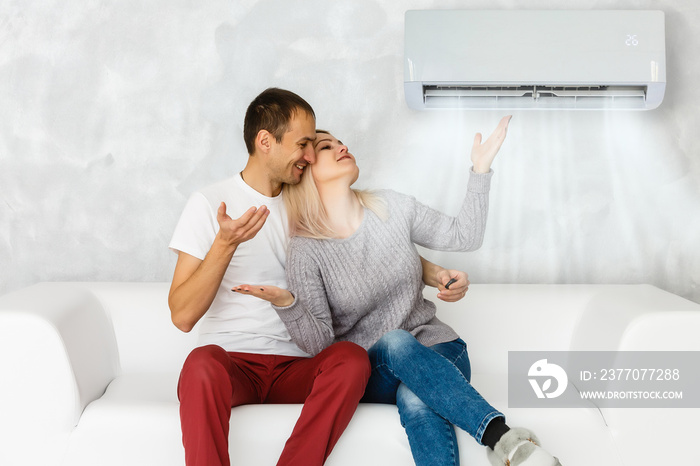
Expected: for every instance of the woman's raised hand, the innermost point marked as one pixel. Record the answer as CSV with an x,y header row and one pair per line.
x,y
483,154
277,296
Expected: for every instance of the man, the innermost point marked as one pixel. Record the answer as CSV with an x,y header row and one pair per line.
x,y
245,354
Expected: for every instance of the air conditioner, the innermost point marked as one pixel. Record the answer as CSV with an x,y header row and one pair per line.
x,y
528,59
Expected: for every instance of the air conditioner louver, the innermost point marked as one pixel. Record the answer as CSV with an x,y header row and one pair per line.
x,y
534,96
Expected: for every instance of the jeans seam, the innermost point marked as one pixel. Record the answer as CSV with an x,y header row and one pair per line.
x,y
450,434
461,355
457,358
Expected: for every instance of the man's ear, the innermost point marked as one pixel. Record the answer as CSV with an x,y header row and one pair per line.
x,y
263,141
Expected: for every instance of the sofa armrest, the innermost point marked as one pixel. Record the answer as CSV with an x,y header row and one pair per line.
x,y
57,354
673,330
632,317
643,318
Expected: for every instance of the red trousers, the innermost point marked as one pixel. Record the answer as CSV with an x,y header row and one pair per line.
x,y
213,381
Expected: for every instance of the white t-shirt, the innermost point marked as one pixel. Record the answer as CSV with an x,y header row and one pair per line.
x,y
234,321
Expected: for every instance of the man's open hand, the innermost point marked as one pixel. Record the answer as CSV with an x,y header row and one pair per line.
x,y
237,231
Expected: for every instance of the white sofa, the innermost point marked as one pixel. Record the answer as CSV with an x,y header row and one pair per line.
x,y
89,373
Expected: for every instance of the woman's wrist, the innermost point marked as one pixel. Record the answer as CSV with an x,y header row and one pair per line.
x,y
481,170
286,300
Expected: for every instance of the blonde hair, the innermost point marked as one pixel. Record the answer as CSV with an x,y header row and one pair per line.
x,y
308,216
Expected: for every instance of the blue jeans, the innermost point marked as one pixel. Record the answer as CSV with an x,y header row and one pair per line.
x,y
430,386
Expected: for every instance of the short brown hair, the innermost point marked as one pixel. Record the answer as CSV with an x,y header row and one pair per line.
x,y
272,111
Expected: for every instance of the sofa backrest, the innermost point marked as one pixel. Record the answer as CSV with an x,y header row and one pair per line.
x,y
146,337
495,319
492,319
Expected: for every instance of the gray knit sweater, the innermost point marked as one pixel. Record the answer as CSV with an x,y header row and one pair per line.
x,y
360,287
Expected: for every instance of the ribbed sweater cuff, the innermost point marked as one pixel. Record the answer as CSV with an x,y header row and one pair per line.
x,y
479,182
290,313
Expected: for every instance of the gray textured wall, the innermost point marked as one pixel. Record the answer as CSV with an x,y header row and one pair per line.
x,y
113,112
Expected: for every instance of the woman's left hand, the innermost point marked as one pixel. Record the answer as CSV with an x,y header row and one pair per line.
x,y
275,295
483,154
457,290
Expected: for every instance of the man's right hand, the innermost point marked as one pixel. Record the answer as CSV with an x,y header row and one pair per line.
x,y
236,231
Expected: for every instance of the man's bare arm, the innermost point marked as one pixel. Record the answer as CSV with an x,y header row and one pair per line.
x,y
196,282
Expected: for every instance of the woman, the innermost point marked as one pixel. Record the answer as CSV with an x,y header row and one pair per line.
x,y
355,274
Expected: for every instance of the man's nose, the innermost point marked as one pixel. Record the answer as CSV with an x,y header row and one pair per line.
x,y
310,154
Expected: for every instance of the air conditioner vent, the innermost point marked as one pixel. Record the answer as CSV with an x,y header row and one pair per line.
x,y
534,96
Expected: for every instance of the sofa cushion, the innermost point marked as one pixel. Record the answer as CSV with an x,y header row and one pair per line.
x,y
137,422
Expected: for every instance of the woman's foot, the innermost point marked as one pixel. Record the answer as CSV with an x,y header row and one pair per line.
x,y
520,447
